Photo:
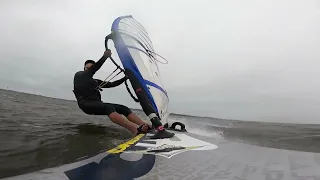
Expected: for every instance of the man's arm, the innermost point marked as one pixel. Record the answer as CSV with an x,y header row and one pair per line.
x,y
114,83
95,67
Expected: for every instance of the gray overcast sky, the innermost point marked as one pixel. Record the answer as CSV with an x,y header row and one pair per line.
x,y
250,60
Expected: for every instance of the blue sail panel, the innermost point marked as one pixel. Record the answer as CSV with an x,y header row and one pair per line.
x,y
133,46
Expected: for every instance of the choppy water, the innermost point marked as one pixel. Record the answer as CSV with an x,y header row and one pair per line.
x,y
38,132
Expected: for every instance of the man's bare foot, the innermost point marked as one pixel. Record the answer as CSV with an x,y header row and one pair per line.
x,y
144,128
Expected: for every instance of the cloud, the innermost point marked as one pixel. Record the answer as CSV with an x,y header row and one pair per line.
x,y
235,59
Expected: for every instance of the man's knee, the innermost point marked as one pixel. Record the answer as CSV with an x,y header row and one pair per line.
x,y
96,108
109,110
113,115
121,109
86,110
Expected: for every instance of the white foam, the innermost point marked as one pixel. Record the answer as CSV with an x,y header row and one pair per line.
x,y
203,132
197,126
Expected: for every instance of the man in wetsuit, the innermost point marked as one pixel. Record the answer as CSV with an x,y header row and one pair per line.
x,y
87,92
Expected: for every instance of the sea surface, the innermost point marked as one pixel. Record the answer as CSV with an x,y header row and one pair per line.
x,y
38,132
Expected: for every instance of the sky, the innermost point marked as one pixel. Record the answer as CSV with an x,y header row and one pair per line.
x,y
246,60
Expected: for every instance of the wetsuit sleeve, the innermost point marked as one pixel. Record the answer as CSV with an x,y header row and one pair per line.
x,y
114,83
95,67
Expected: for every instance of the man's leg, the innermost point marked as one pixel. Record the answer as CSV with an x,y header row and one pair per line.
x,y
100,108
132,117
153,117
144,100
118,119
135,119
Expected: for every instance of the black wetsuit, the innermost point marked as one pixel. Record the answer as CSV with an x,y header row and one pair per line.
x,y
88,94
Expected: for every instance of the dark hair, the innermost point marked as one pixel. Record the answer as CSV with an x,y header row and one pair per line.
x,y
89,61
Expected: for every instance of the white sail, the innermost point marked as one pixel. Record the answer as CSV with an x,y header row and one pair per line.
x,y
135,38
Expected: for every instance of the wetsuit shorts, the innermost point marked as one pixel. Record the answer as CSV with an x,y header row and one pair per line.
x,y
96,107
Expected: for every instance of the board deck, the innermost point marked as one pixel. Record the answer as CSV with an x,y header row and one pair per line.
x,y
187,156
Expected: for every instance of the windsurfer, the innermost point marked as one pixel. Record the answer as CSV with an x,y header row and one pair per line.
x,y
87,93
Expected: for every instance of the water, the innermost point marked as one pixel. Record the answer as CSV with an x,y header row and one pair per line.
x,y
38,132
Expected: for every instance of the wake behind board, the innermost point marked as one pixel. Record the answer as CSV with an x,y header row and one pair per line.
x,y
186,156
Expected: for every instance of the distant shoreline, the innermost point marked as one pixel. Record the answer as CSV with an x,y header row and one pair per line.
x,y
16,91
176,114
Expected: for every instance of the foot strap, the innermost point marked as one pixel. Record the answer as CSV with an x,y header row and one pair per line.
x,y
162,135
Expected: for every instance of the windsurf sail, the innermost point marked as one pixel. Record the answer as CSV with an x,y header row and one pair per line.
x,y
140,64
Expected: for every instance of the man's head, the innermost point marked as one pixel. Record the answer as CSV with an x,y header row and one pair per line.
x,y
88,64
